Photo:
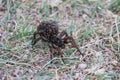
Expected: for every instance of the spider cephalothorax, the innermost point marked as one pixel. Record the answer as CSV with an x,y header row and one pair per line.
x,y
48,31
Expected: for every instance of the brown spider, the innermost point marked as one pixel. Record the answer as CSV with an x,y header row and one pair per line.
x,y
48,31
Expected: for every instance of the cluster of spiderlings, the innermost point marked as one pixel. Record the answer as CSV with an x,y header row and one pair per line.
x,y
48,29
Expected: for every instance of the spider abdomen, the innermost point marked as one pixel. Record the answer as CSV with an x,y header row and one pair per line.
x,y
47,29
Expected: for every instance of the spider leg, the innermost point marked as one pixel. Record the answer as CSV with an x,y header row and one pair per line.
x,y
62,34
55,51
69,39
72,41
34,40
34,35
60,54
51,51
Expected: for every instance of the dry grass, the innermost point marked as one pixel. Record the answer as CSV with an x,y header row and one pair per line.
x,y
95,29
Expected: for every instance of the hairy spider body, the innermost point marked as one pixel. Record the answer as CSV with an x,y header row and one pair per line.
x,y
48,31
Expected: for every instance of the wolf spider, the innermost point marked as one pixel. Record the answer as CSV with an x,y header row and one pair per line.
x,y
48,31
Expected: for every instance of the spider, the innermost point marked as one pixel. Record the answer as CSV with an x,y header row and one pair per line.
x,y
48,31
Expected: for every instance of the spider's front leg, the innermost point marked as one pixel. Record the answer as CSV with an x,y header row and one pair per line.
x,y
54,52
62,34
60,54
69,39
35,40
72,41
51,51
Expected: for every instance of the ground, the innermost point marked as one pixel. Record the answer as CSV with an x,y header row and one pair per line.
x,y
95,29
